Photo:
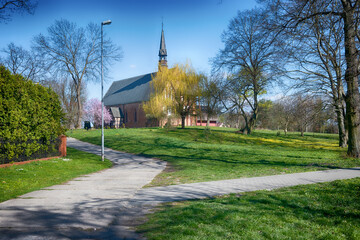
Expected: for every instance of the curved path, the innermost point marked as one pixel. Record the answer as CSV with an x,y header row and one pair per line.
x,y
84,207
108,204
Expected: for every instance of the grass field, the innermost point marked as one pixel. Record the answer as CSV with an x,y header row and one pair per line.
x,y
196,155
319,211
21,179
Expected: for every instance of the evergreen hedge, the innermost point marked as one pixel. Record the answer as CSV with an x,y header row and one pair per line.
x,y
31,119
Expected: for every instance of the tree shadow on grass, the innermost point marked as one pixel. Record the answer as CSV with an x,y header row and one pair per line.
x,y
181,139
180,151
260,162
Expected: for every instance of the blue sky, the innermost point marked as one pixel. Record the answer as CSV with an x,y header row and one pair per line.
x,y
192,30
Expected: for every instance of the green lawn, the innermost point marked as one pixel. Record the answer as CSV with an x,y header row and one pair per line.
x,y
21,179
196,155
319,211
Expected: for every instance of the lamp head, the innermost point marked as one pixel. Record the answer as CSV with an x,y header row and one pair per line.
x,y
108,22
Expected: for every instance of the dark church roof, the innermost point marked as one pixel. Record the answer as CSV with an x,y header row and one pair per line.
x,y
135,89
131,90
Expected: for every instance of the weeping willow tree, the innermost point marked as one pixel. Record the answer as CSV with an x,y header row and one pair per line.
x,y
175,92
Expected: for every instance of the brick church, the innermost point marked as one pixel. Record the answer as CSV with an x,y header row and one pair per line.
x,y
125,98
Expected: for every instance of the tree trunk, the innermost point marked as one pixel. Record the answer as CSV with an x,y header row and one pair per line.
x,y
251,126
286,128
341,125
246,129
200,117
207,121
302,130
79,107
183,122
253,117
352,98
252,120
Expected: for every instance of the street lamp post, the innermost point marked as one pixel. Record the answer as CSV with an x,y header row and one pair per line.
x,y
108,22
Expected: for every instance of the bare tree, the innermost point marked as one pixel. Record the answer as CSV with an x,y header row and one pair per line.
x,y
75,52
283,111
21,61
249,55
318,51
67,96
302,112
291,15
9,7
324,115
211,94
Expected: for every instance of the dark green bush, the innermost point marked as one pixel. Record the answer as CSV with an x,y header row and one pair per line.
x,y
30,118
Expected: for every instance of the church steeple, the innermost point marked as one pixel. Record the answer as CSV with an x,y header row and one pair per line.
x,y
162,51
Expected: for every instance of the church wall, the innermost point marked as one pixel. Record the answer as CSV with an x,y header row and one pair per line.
x,y
135,117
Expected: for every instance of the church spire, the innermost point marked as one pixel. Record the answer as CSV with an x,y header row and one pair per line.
x,y
162,51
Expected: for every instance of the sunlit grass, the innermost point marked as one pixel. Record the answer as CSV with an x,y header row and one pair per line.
x,y
195,155
21,179
319,211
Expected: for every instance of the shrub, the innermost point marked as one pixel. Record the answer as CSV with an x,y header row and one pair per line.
x,y
30,118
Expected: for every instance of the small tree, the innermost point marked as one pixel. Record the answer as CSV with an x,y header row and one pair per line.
x,y
284,111
175,92
92,112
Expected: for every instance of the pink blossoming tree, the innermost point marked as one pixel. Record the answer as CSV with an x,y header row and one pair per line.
x,y
92,113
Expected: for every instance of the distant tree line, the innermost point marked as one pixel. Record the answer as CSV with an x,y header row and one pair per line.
x,y
301,113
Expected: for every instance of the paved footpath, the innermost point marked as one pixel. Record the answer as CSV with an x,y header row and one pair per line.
x,y
84,207
108,204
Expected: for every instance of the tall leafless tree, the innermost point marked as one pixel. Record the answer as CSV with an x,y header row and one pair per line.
x,y
75,52
291,15
249,56
318,54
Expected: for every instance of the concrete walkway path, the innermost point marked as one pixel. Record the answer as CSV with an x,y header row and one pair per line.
x,y
201,190
80,208
108,204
